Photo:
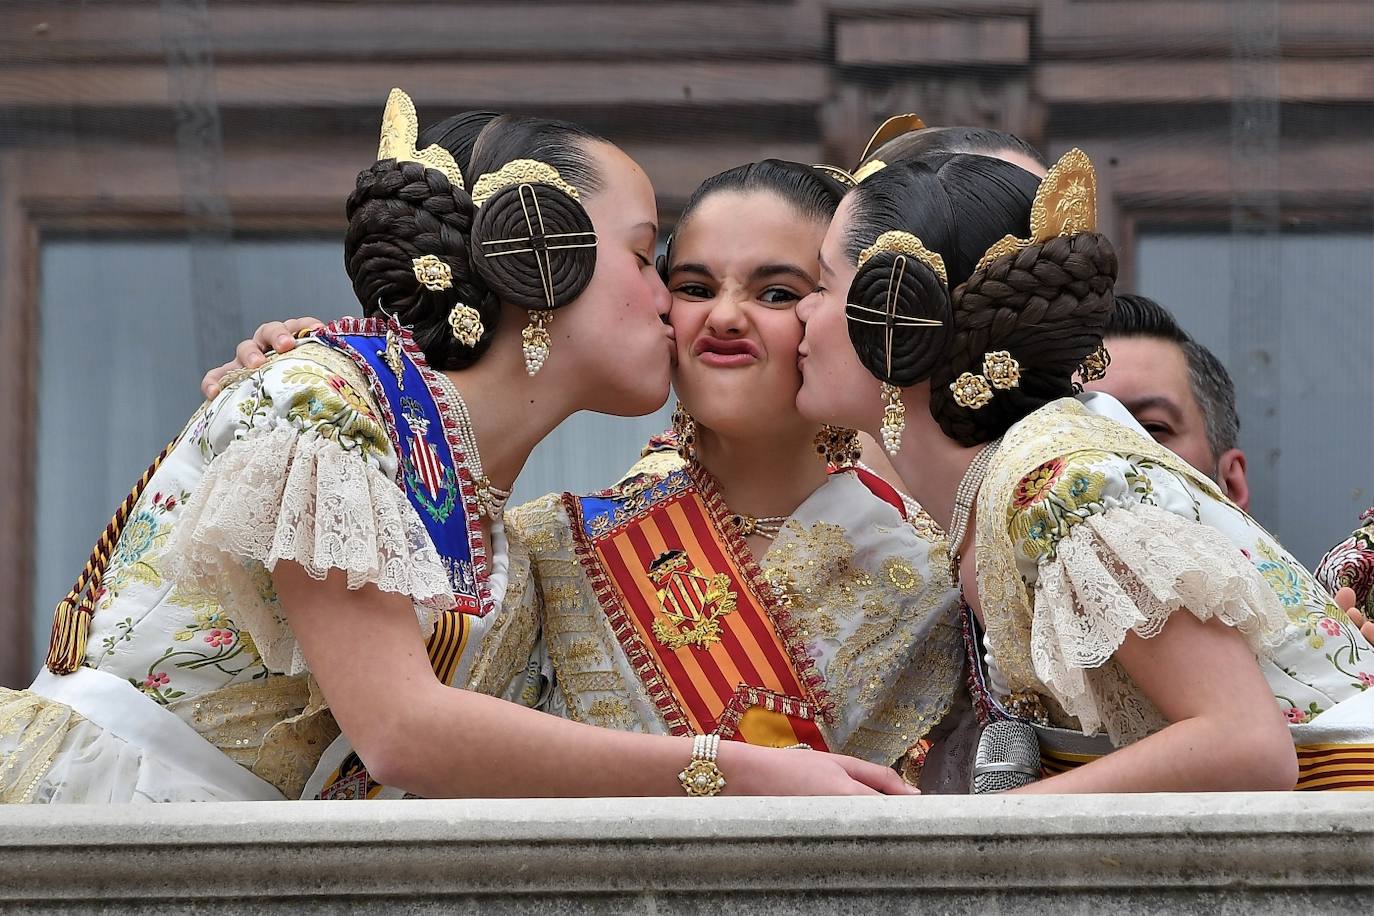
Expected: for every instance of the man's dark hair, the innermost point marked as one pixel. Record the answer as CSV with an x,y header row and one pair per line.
x,y
1139,316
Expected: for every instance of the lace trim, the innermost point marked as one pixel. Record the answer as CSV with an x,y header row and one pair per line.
x,y
281,494
1127,570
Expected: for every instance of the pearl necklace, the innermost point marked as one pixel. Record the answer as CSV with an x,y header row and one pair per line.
x,y
766,526
491,499
964,496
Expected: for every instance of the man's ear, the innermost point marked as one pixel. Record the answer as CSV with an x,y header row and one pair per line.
x,y
1231,477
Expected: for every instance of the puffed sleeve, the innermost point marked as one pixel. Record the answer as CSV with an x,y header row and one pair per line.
x,y
300,468
1112,545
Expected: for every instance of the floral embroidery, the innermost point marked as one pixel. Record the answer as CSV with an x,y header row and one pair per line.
x,y
327,404
1037,483
138,548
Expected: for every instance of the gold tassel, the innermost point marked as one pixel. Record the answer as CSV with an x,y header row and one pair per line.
x,y
71,627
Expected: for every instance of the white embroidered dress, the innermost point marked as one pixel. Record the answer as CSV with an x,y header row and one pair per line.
x,y
193,686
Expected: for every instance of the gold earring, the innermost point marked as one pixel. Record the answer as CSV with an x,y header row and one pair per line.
x,y
894,418
535,340
971,391
838,446
1001,370
466,323
685,429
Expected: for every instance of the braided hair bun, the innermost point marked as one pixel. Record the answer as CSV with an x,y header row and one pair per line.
x,y
1046,304
400,212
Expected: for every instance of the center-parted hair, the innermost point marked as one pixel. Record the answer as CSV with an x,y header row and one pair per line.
x,y
1046,304
808,190
400,211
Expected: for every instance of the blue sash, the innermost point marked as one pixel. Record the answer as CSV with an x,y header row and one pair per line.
x,y
432,470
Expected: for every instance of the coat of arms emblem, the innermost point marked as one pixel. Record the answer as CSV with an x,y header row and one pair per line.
x,y
692,603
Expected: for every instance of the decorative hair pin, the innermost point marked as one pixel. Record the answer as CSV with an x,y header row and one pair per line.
x,y
889,130
538,242
843,176
904,245
520,172
1001,371
433,274
400,133
1065,204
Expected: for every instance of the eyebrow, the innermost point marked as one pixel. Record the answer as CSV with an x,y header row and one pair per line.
x,y
1156,401
652,227
790,270
701,269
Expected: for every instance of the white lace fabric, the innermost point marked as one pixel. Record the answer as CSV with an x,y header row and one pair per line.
x,y
1128,569
282,494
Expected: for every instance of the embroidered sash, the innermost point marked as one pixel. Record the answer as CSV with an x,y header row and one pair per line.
x,y
708,637
432,472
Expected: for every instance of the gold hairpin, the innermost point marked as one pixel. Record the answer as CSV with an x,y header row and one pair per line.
x,y
843,176
520,172
1065,204
538,242
400,133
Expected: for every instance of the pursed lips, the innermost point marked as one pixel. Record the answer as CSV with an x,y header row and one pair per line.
x,y
725,353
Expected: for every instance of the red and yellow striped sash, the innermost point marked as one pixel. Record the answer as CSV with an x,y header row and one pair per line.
x,y
1321,767
750,678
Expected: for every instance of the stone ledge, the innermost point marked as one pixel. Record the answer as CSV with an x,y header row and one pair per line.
x,y
1242,853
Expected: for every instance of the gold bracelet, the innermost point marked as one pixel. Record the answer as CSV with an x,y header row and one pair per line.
x,y
702,778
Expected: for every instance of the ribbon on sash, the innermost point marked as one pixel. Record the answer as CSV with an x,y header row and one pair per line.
x,y
709,638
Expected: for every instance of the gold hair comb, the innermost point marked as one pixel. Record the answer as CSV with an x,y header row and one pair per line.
x,y
518,172
400,133
1065,204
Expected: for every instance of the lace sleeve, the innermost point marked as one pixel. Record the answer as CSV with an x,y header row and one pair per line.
x,y
298,471
1112,560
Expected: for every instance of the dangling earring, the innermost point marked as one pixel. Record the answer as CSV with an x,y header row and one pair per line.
x,y
894,418
535,340
838,446
466,323
685,428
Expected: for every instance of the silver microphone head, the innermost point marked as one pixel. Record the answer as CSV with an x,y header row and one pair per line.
x,y
1008,757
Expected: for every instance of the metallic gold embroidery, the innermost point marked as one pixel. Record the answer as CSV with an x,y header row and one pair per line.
x,y
692,603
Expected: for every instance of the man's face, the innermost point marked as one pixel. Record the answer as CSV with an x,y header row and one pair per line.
x,y
1150,377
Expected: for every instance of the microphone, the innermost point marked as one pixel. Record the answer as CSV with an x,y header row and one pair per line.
x,y
1008,757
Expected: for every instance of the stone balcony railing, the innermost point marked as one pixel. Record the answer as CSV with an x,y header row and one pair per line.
x,y
1223,854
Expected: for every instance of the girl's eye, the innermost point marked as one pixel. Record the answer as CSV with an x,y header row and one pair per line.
x,y
779,295
820,290
644,259
692,291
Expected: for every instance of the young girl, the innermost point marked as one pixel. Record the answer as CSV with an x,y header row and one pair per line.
x,y
959,297
327,530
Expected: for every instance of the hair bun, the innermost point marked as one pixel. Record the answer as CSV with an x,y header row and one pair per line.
x,y
1047,305
908,289
534,246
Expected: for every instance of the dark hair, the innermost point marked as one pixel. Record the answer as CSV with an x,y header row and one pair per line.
x,y
400,211
812,192
982,141
1046,304
1215,393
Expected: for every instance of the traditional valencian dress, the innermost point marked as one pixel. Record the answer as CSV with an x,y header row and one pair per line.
x,y
341,455
1087,530
641,608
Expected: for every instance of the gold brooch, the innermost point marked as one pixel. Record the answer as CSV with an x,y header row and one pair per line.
x,y
1001,369
971,391
432,273
1094,366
